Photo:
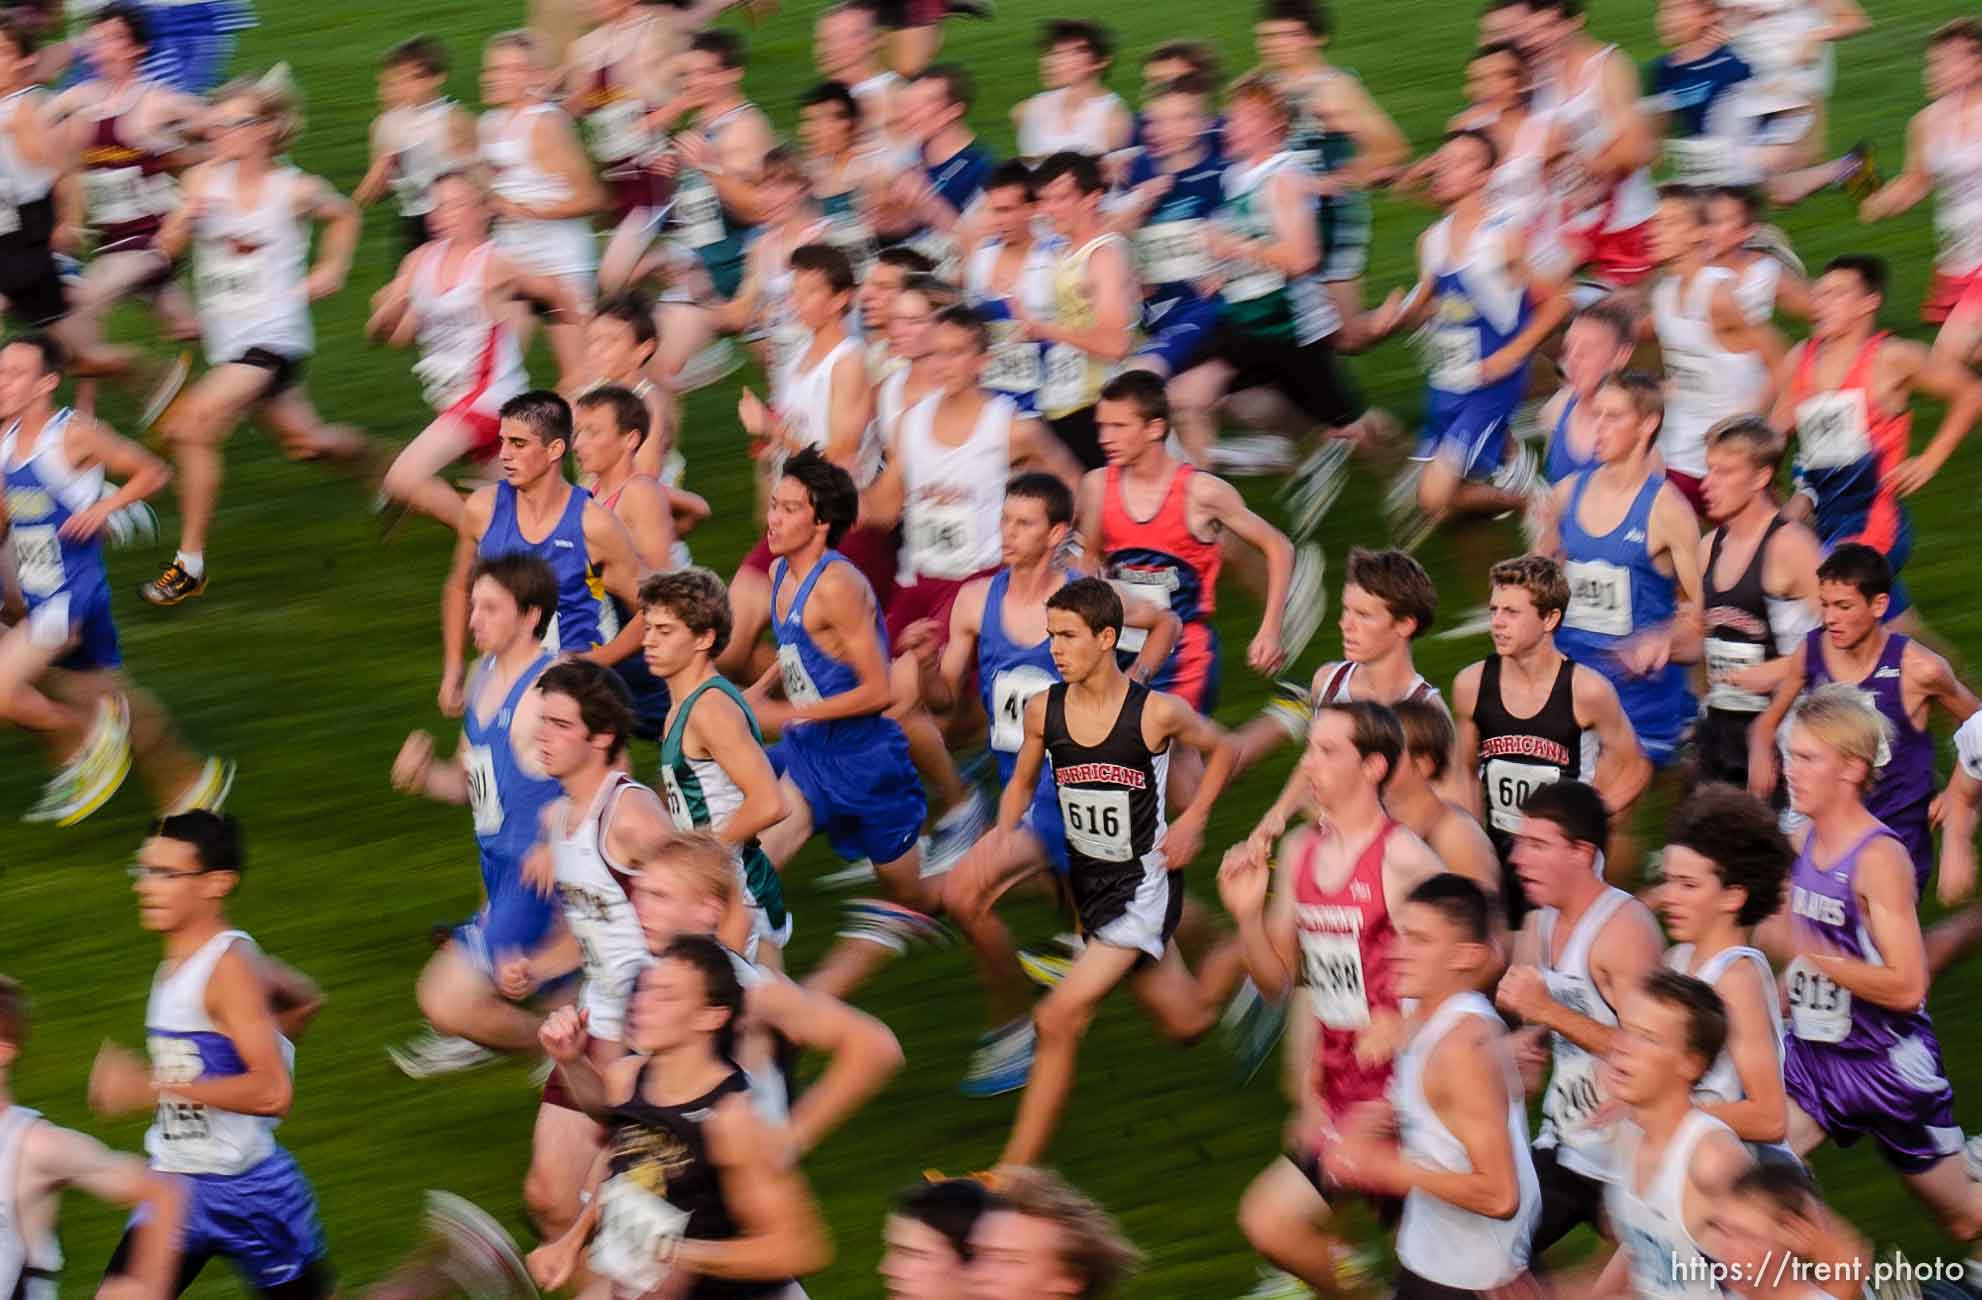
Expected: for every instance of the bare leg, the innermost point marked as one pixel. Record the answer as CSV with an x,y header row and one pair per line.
x,y
750,606
626,261
685,330
1954,1198
926,746
457,999
414,477
970,895
1194,398
911,49
1348,298
857,958
1282,1216
167,767
196,427
1186,1007
1952,938
563,1145
302,433
1061,1019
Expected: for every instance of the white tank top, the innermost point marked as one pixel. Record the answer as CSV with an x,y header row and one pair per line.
x,y
599,909
187,1137
417,139
464,350
249,268
1437,1240
1481,266
24,182
1705,383
774,314
1632,201
1014,365
804,397
1954,158
1573,1095
953,496
1516,185
1755,290
768,1094
1666,1263
27,1269
561,247
1074,377
1722,1081
1045,128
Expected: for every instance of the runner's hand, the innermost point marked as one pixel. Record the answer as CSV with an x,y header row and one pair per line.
x,y
539,872
563,1035
453,694
1266,654
416,758
1243,877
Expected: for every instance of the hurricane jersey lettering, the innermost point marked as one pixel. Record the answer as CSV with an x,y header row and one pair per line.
x,y
249,268
184,1044
575,626
126,182
28,1269
1170,256
1846,450
1615,592
465,351
1159,560
1666,1263
43,492
953,496
1902,788
597,897
1111,799
1258,299
1016,366
1574,1095
701,796
1705,382
1521,755
1437,1240
1477,306
561,246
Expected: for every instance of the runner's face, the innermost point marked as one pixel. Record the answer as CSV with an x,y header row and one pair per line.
x,y
495,622
908,326
1621,433
1681,22
240,127
113,51
1590,352
597,440
1743,1233
668,904
790,523
1462,168
824,130
704,77
1493,80
1369,630
1511,25
22,380
1016,1255
506,76
1674,231
813,301
667,644
1840,304
611,350
841,42
1283,46
1692,897
1849,615
956,358
1728,226
563,744
1008,213
171,888
926,109
1066,64
1732,481
1513,622
1075,649
1333,768
1430,949
1649,1058
1024,535
1124,435
1548,862
1819,777
1251,128
458,212
1174,124
1064,205
1161,72
523,456
918,1263
1952,67
877,295
669,1007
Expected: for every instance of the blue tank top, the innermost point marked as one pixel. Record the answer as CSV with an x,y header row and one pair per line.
x,y
1903,784
810,674
1477,309
508,803
1174,227
1008,675
576,625
1562,460
1824,900
42,495
1616,592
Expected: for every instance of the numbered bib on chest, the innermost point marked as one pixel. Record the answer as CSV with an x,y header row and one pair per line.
x,y
619,130
1832,429
1724,659
1011,690
1572,1096
1065,387
636,1228
1249,284
1509,782
1097,823
1132,639
484,798
1172,252
444,379
38,560
230,283
799,687
1332,969
1819,1008
1014,364
698,215
120,195
1686,373
678,811
177,1061
942,538
1702,160
1453,358
1599,597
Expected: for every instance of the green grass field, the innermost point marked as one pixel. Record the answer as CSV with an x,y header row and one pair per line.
x,y
316,649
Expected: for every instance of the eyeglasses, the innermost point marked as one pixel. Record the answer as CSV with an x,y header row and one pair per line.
x,y
235,123
139,871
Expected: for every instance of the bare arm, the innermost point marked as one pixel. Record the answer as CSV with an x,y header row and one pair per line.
x,y
643,509
58,1157
1112,335
780,1232
1223,504
846,609
852,411
293,996
341,223
454,592
1885,892
559,153
1017,796
237,1000
1466,749
1267,937
378,173
1466,1084
861,1054
620,570
1913,183
720,727
1622,772
1633,143
1939,375
1380,146
1762,1114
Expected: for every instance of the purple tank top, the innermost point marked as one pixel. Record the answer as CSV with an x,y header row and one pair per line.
x,y
1824,901
1903,787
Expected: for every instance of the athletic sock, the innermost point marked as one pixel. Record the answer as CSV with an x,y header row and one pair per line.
x,y
193,562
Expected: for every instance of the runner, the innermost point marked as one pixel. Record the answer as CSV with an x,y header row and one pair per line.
x,y
762,307
614,77
1461,1161
1599,343
1039,1236
420,135
1583,950
39,1161
842,168
587,548
846,49
246,215
925,1247
1008,279
495,772
1771,273
1903,678
1696,91
1529,716
1125,858
544,190
619,343
1674,1160
457,297
64,655
1331,928
1092,325
894,267
949,163
219,1077
1723,870
1416,798
1773,1213
1758,594
1076,112
1863,1059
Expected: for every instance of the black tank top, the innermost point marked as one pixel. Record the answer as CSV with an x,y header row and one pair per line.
x,y
662,1148
1520,755
1738,634
1111,794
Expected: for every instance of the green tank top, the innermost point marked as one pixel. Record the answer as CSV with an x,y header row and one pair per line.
x,y
701,795
1260,300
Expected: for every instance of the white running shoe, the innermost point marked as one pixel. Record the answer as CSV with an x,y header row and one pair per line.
x,y
1477,621
1252,455
209,790
1307,601
97,771
955,831
479,1256
1313,490
135,523
711,365
431,1054
847,877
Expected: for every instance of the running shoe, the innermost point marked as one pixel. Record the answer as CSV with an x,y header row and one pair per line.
x,y
1858,171
711,365
1274,1284
478,1256
1252,1024
1477,621
1291,709
136,522
1252,455
1520,474
174,586
1307,601
209,789
1002,1062
891,925
1771,241
1315,486
431,1054
171,382
955,831
854,873
95,773
1049,963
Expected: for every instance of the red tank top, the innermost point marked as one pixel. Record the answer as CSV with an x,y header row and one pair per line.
x,y
128,186
1159,558
1846,449
1346,937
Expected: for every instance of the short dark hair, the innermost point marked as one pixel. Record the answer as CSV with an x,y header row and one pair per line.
x,y
13,1012
958,87
829,488
133,19
1199,54
824,260
1095,603
720,986
215,837
423,53
1373,729
1706,1014
1614,314
965,317
1751,199
1646,391
835,93
1740,835
1141,389
1536,574
528,579
1428,732
1481,138
950,1206
54,357
1083,168
1013,174
729,47
633,308
1195,84
1460,900
1870,270
909,261
604,705
18,34
628,411
542,411
697,597
1968,30
1785,1184
1311,14
939,292
1100,45
1751,435
1399,581
1855,564
1695,198
1049,490
1573,808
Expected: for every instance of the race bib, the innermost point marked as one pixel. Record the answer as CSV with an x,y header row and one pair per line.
x,y
1701,160
799,687
942,539
1097,822
1724,659
230,283
1685,372
1065,388
1831,429
1599,597
1572,1096
1014,363
1453,358
636,1228
1332,970
173,1061
38,560
443,379
553,644
1011,690
1509,782
1172,252
619,130
120,195
1133,638
484,798
678,811
698,214
1819,1007
1252,283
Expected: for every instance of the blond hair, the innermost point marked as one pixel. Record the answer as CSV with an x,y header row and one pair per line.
x,y
1092,1246
1843,717
704,861
275,96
